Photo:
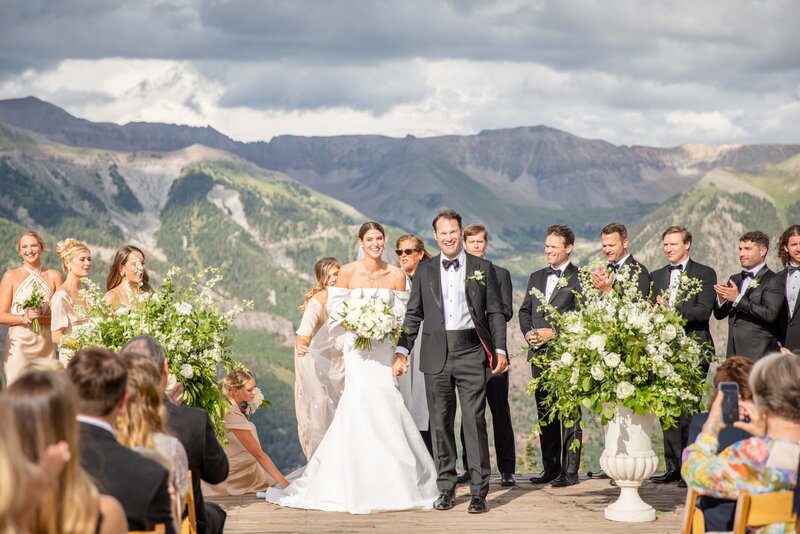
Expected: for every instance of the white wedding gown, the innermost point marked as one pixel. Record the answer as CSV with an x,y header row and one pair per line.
x,y
372,459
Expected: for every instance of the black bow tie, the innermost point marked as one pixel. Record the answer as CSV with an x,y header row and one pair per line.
x,y
555,272
612,266
450,263
792,269
747,274
674,267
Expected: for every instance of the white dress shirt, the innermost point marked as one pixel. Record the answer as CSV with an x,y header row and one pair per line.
x,y
454,296
792,289
746,281
552,280
674,278
94,421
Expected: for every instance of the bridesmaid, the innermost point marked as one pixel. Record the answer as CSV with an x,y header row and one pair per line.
x,y
318,365
76,259
127,276
410,250
22,343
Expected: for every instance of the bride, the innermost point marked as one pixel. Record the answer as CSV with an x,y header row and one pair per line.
x,y
372,459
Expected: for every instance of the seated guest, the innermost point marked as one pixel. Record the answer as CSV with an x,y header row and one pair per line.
x,y
43,405
141,426
719,513
193,428
251,470
765,462
139,484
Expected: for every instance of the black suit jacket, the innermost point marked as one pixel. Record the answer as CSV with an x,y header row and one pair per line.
x,y
506,291
753,323
139,484
789,329
562,299
698,309
483,300
207,459
643,278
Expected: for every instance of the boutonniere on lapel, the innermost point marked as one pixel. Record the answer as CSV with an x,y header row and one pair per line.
x,y
479,276
754,283
562,282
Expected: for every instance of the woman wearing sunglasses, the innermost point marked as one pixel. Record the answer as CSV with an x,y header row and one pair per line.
x,y
410,250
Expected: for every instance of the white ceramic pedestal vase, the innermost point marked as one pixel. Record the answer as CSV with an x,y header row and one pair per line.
x,y
629,459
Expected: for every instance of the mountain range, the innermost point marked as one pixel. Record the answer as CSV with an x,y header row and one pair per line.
x,y
263,212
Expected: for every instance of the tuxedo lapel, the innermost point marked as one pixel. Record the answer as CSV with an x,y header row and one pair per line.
x,y
435,277
470,286
756,279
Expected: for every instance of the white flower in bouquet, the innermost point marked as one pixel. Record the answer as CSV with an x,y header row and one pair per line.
x,y
597,372
567,358
612,359
596,342
666,370
187,371
183,308
669,332
625,390
371,319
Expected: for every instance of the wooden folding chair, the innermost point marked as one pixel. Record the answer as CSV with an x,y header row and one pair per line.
x,y
763,509
189,523
693,520
158,529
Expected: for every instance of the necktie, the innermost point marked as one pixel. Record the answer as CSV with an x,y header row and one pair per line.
x,y
746,275
791,269
612,266
554,272
673,267
450,263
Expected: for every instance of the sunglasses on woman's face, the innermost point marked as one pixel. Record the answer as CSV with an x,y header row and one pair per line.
x,y
406,251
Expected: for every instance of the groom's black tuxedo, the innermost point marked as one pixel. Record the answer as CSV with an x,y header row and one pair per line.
x,y
789,324
697,311
555,440
457,359
753,322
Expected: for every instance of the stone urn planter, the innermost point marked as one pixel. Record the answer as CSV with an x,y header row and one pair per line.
x,y
629,459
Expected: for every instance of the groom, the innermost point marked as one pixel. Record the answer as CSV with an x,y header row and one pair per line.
x,y
463,344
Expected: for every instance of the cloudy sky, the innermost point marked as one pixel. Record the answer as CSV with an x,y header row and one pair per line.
x,y
646,72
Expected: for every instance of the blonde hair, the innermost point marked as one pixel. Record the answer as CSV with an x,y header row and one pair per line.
x,y
44,364
13,473
144,412
69,249
43,405
235,379
322,271
30,233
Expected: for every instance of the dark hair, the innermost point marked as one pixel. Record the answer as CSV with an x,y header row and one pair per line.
x,y
475,229
147,345
447,214
783,241
686,235
615,228
758,237
370,225
419,244
114,277
563,231
735,369
100,378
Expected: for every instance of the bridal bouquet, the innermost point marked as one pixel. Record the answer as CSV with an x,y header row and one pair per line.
x,y
371,319
34,301
182,315
619,348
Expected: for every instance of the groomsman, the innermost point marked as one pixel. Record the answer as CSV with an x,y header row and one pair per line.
x,y
560,463
751,300
789,252
676,242
476,240
614,240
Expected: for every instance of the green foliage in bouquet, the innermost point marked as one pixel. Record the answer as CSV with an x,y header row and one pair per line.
x,y
620,348
34,302
182,315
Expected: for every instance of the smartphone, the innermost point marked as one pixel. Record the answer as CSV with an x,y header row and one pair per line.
x,y
730,401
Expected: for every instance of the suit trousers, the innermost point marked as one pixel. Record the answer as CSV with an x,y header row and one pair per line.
x,y
556,439
504,446
466,372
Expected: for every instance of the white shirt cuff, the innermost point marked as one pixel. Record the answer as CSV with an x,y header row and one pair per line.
x,y
499,351
401,350
735,302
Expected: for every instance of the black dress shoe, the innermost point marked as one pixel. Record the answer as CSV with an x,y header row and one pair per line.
x,y
463,478
612,482
507,479
478,505
548,475
564,480
671,475
682,484
445,501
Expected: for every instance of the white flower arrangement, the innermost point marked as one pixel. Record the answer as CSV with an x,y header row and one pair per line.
x,y
562,282
182,315
619,348
370,319
250,408
479,276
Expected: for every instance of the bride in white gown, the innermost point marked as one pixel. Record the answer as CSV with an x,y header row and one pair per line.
x,y
372,459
